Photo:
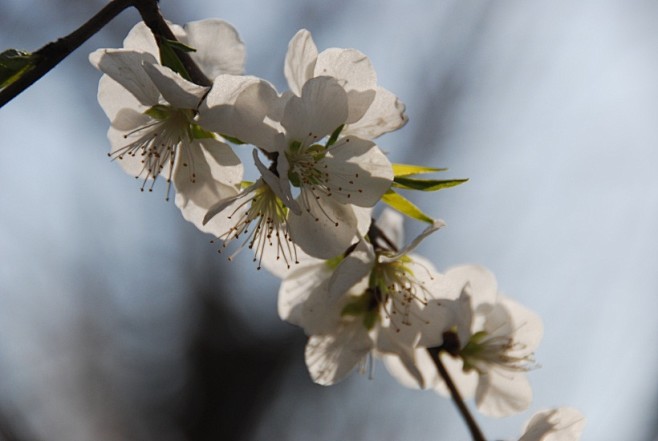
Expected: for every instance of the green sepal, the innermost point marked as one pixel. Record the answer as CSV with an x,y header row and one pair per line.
x,y
14,64
159,112
334,261
318,151
233,140
357,307
294,179
425,184
370,319
198,133
295,146
169,58
410,170
405,206
334,136
477,337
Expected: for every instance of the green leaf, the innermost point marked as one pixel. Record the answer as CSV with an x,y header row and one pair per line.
x,y
180,46
169,58
409,170
334,136
356,307
13,64
405,206
425,184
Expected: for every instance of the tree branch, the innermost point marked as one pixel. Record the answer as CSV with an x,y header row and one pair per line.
x,y
150,13
473,427
53,53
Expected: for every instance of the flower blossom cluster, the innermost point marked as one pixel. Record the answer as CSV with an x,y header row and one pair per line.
x,y
352,284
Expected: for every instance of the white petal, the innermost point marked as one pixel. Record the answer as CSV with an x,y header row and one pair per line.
x,y
359,173
126,121
219,49
436,313
351,270
176,90
322,314
217,173
434,319
320,110
437,224
224,164
126,68
358,103
113,97
387,342
330,358
237,106
300,61
391,223
355,73
301,281
141,39
350,66
423,364
326,231
194,213
482,284
526,326
560,424
385,114
279,184
223,205
363,219
502,392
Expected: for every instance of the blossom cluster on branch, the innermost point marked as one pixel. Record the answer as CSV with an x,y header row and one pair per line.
x,y
352,284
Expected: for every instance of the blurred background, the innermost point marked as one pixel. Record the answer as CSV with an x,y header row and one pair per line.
x,y
119,321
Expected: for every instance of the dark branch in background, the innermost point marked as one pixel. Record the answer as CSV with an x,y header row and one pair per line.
x,y
7,430
53,53
473,427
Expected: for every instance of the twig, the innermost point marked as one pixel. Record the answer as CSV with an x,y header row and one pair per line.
x,y
473,427
150,13
53,53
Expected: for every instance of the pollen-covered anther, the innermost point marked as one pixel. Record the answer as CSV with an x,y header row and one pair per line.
x,y
157,144
268,215
402,290
499,350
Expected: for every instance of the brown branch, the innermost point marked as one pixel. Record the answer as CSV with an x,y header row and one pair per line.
x,y
53,53
150,13
473,427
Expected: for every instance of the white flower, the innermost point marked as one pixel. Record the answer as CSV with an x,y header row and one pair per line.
x,y
559,424
375,300
492,342
331,178
256,215
152,111
372,109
